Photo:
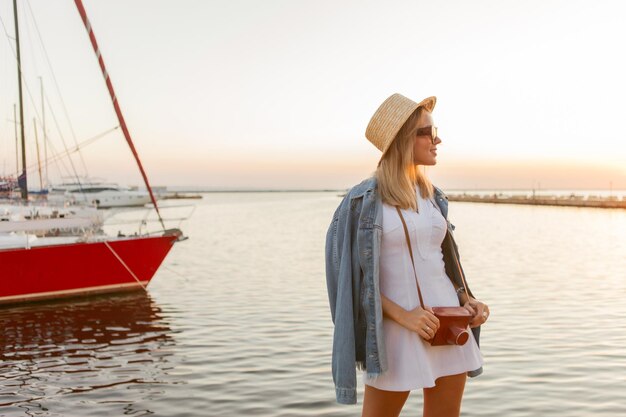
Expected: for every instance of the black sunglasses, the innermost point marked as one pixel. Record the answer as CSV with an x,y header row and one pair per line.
x,y
428,131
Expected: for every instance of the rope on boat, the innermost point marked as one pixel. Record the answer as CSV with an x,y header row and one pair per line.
x,y
184,277
125,266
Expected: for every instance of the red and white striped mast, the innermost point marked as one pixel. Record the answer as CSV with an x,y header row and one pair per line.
x,y
116,106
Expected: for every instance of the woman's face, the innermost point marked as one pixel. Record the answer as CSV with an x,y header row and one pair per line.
x,y
424,151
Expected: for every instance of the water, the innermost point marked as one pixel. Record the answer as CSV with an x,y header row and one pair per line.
x,y
237,321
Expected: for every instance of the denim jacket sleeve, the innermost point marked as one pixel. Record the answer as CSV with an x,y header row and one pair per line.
x,y
340,269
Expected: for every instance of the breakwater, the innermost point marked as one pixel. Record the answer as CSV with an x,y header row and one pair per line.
x,y
572,200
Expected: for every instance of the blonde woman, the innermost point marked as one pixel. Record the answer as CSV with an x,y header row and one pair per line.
x,y
379,324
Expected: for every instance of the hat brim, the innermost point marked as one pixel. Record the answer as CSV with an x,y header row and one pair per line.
x,y
409,108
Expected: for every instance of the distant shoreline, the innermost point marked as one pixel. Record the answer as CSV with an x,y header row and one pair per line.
x,y
185,190
447,191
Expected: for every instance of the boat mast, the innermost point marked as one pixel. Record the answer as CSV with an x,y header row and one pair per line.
x,y
17,140
38,156
116,106
45,138
22,178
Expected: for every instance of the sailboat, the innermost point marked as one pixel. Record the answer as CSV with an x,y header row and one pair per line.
x,y
86,261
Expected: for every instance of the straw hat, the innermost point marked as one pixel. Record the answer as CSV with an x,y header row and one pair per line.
x,y
391,116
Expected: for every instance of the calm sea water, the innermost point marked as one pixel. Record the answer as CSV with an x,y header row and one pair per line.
x,y
236,323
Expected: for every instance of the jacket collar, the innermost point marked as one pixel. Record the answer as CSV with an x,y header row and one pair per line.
x,y
370,184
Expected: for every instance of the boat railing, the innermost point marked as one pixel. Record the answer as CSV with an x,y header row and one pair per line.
x,y
144,221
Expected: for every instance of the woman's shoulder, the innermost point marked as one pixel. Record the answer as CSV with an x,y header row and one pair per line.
x,y
348,203
368,184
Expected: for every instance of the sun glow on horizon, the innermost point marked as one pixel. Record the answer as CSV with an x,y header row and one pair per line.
x,y
262,96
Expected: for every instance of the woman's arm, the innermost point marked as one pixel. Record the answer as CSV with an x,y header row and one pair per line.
x,y
479,310
419,320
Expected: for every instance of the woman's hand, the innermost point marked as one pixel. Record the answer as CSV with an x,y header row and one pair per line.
x,y
421,321
479,310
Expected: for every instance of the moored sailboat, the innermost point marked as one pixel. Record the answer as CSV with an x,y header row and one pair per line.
x,y
36,264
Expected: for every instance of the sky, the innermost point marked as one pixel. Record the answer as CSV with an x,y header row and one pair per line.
x,y
273,94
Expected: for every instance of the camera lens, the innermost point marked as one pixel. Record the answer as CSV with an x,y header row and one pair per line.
x,y
457,335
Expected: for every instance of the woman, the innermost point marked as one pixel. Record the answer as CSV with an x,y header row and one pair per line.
x,y
379,323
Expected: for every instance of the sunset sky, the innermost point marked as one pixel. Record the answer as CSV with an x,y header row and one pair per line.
x,y
277,94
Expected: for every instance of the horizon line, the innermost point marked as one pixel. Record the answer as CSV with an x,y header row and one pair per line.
x,y
202,189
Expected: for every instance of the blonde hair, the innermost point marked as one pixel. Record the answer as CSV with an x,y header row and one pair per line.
x,y
397,173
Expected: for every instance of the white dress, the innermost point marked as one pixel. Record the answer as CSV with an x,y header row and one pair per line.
x,y
413,362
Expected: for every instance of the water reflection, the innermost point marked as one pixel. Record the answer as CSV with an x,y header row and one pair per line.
x,y
91,347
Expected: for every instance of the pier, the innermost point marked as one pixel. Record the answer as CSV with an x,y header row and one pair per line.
x,y
572,200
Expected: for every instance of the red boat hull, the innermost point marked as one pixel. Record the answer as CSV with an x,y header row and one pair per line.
x,y
80,268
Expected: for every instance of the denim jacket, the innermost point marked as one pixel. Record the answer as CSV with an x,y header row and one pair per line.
x,y
352,276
